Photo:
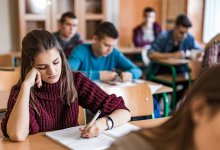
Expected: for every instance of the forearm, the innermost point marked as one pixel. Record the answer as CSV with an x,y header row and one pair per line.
x,y
158,55
119,117
18,122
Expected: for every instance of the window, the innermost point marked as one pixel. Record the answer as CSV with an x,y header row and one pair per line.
x,y
211,19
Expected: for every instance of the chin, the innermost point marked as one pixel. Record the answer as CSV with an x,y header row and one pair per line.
x,y
51,81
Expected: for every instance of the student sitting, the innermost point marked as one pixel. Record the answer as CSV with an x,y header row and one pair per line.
x,y
145,33
195,125
173,43
67,34
100,59
48,94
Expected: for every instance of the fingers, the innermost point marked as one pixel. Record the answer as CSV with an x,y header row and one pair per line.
x,y
114,75
38,80
92,131
126,76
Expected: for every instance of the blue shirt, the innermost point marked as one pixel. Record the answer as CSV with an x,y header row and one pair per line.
x,y
83,59
164,44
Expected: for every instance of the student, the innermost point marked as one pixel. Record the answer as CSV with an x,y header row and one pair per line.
x,y
195,126
100,59
48,94
67,34
173,43
145,33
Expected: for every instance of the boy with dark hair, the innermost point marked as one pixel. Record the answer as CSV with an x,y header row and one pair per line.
x,y
100,60
173,43
67,34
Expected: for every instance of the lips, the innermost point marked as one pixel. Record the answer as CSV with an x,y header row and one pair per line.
x,y
52,77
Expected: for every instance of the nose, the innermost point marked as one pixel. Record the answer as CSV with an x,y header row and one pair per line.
x,y
51,70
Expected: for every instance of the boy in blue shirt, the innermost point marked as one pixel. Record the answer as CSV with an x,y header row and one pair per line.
x,y
100,59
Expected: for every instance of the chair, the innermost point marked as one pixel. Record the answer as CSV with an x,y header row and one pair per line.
x,y
9,78
137,98
4,95
6,60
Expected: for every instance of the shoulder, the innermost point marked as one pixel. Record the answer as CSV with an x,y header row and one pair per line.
x,y
77,36
56,34
78,77
137,28
157,27
189,36
116,53
131,141
165,35
83,47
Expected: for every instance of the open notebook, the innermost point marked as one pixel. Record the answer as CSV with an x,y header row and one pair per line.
x,y
70,137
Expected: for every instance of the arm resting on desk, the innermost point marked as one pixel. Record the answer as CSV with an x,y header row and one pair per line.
x,y
18,122
159,55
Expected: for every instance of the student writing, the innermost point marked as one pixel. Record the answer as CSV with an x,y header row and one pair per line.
x,y
48,94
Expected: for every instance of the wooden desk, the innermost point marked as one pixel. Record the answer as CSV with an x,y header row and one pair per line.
x,y
40,141
130,50
172,79
163,89
149,123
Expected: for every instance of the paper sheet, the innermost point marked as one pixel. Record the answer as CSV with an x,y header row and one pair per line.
x,y
154,88
70,137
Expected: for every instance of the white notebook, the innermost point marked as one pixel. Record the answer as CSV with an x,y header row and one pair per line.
x,y
70,137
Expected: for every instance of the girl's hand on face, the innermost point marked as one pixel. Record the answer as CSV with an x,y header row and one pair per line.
x,y
33,77
90,132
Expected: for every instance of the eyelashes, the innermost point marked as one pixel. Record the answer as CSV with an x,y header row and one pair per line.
x,y
42,68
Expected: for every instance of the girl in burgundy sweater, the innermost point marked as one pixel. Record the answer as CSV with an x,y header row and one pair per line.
x,y
47,95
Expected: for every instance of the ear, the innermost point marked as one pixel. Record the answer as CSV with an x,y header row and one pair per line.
x,y
95,38
199,110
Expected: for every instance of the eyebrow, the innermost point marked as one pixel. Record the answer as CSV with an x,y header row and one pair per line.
x,y
45,64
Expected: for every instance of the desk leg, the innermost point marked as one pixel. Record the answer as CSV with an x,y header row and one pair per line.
x,y
166,104
173,70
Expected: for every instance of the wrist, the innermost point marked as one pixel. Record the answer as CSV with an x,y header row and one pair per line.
x,y
102,124
109,122
26,84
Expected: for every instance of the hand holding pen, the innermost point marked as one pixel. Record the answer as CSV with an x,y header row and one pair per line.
x,y
91,129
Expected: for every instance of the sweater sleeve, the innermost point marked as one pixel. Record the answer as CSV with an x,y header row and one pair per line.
x,y
125,64
75,58
92,97
11,102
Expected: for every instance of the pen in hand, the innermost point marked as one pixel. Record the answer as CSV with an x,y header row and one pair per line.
x,y
92,121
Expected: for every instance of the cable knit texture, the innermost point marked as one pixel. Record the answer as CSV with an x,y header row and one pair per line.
x,y
54,113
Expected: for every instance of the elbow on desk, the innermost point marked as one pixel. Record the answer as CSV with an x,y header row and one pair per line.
x,y
17,137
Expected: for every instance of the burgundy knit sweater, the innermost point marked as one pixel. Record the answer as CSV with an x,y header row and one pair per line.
x,y
55,114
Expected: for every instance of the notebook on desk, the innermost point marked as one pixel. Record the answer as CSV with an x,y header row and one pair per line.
x,y
70,137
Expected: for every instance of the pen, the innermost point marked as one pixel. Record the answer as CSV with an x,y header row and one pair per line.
x,y
93,120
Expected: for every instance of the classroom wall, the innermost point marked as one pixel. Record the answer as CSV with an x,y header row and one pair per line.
x,y
130,14
195,12
8,26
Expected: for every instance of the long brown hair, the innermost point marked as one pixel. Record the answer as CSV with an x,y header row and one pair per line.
x,y
36,42
177,132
